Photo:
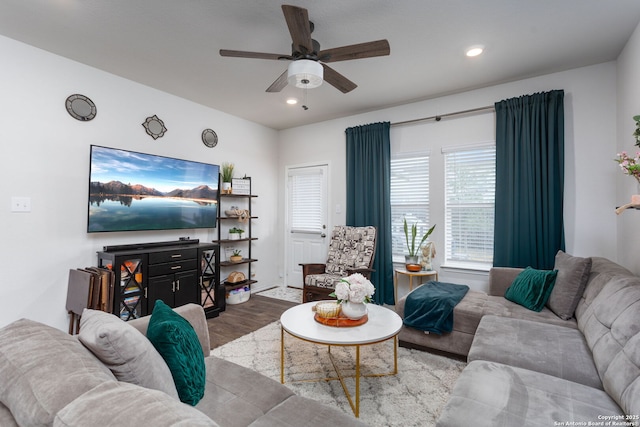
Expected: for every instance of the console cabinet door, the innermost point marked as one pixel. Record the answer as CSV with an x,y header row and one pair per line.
x,y
186,290
160,288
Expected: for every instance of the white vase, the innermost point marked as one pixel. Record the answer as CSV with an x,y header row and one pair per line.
x,y
354,310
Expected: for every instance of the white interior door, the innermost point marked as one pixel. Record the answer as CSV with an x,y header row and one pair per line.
x,y
306,239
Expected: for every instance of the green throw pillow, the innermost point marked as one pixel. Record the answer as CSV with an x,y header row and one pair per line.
x,y
531,288
177,342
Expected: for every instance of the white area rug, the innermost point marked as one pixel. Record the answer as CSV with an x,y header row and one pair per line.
x,y
287,294
413,397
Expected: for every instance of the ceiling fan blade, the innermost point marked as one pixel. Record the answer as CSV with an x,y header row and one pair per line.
x,y
337,80
355,51
298,22
255,55
279,84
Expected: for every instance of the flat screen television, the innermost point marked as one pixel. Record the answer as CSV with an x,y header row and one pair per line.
x,y
130,191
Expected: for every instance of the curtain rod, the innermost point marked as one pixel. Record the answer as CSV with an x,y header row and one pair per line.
x,y
440,116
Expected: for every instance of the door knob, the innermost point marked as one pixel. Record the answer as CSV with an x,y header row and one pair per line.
x,y
323,235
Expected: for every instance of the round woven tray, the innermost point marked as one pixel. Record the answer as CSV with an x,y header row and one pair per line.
x,y
341,321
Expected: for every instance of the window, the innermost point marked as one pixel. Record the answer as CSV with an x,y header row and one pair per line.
x,y
307,198
409,198
470,177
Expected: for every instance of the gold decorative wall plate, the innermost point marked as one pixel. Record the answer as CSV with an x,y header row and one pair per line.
x,y
154,127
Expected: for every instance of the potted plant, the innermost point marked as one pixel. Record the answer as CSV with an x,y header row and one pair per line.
x,y
411,260
235,233
227,176
236,257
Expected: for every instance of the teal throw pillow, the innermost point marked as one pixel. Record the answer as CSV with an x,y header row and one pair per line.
x,y
177,342
531,288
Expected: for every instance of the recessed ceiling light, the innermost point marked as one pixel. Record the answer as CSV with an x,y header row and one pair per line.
x,y
475,51
292,101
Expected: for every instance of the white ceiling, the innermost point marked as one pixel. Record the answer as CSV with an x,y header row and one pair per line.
x,y
172,45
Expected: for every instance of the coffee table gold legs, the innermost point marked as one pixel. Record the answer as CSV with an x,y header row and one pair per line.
x,y
281,355
355,406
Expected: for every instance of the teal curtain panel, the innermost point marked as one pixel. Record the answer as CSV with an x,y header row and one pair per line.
x,y
368,197
529,228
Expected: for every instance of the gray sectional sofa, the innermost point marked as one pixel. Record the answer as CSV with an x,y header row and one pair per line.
x,y
48,377
536,369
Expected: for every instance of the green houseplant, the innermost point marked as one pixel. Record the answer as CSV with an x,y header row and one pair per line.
x,y
236,256
227,176
411,260
235,233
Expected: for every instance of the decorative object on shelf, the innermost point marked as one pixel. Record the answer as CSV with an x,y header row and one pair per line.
x,y
81,107
235,233
236,257
227,176
631,166
235,278
352,293
241,186
411,260
209,138
428,252
235,212
239,295
154,127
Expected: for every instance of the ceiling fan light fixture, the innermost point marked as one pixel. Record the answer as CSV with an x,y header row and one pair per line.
x,y
305,74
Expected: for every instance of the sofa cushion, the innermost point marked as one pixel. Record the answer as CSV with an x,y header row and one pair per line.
x,y
237,396
612,330
123,349
500,306
532,288
177,342
300,411
537,346
123,404
492,394
602,271
573,273
42,369
6,418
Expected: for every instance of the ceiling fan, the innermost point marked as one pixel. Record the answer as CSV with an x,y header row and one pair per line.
x,y
308,67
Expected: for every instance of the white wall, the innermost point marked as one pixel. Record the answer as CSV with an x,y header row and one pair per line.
x,y
628,106
44,155
590,129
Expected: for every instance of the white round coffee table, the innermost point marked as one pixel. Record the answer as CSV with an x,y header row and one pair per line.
x,y
383,324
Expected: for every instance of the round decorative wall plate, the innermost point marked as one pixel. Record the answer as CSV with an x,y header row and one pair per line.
x,y
209,138
154,127
80,107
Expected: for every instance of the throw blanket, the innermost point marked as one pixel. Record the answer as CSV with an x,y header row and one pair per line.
x,y
430,306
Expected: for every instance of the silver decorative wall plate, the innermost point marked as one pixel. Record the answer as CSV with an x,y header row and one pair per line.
x,y
81,107
154,127
209,138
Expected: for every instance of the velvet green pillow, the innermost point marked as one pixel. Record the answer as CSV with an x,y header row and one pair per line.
x,y
531,288
177,342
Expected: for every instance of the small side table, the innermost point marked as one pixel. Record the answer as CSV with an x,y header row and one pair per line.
x,y
411,274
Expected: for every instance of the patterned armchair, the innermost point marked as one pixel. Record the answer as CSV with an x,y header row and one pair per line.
x,y
351,250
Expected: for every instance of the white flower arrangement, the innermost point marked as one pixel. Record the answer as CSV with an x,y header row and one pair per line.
x,y
355,288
